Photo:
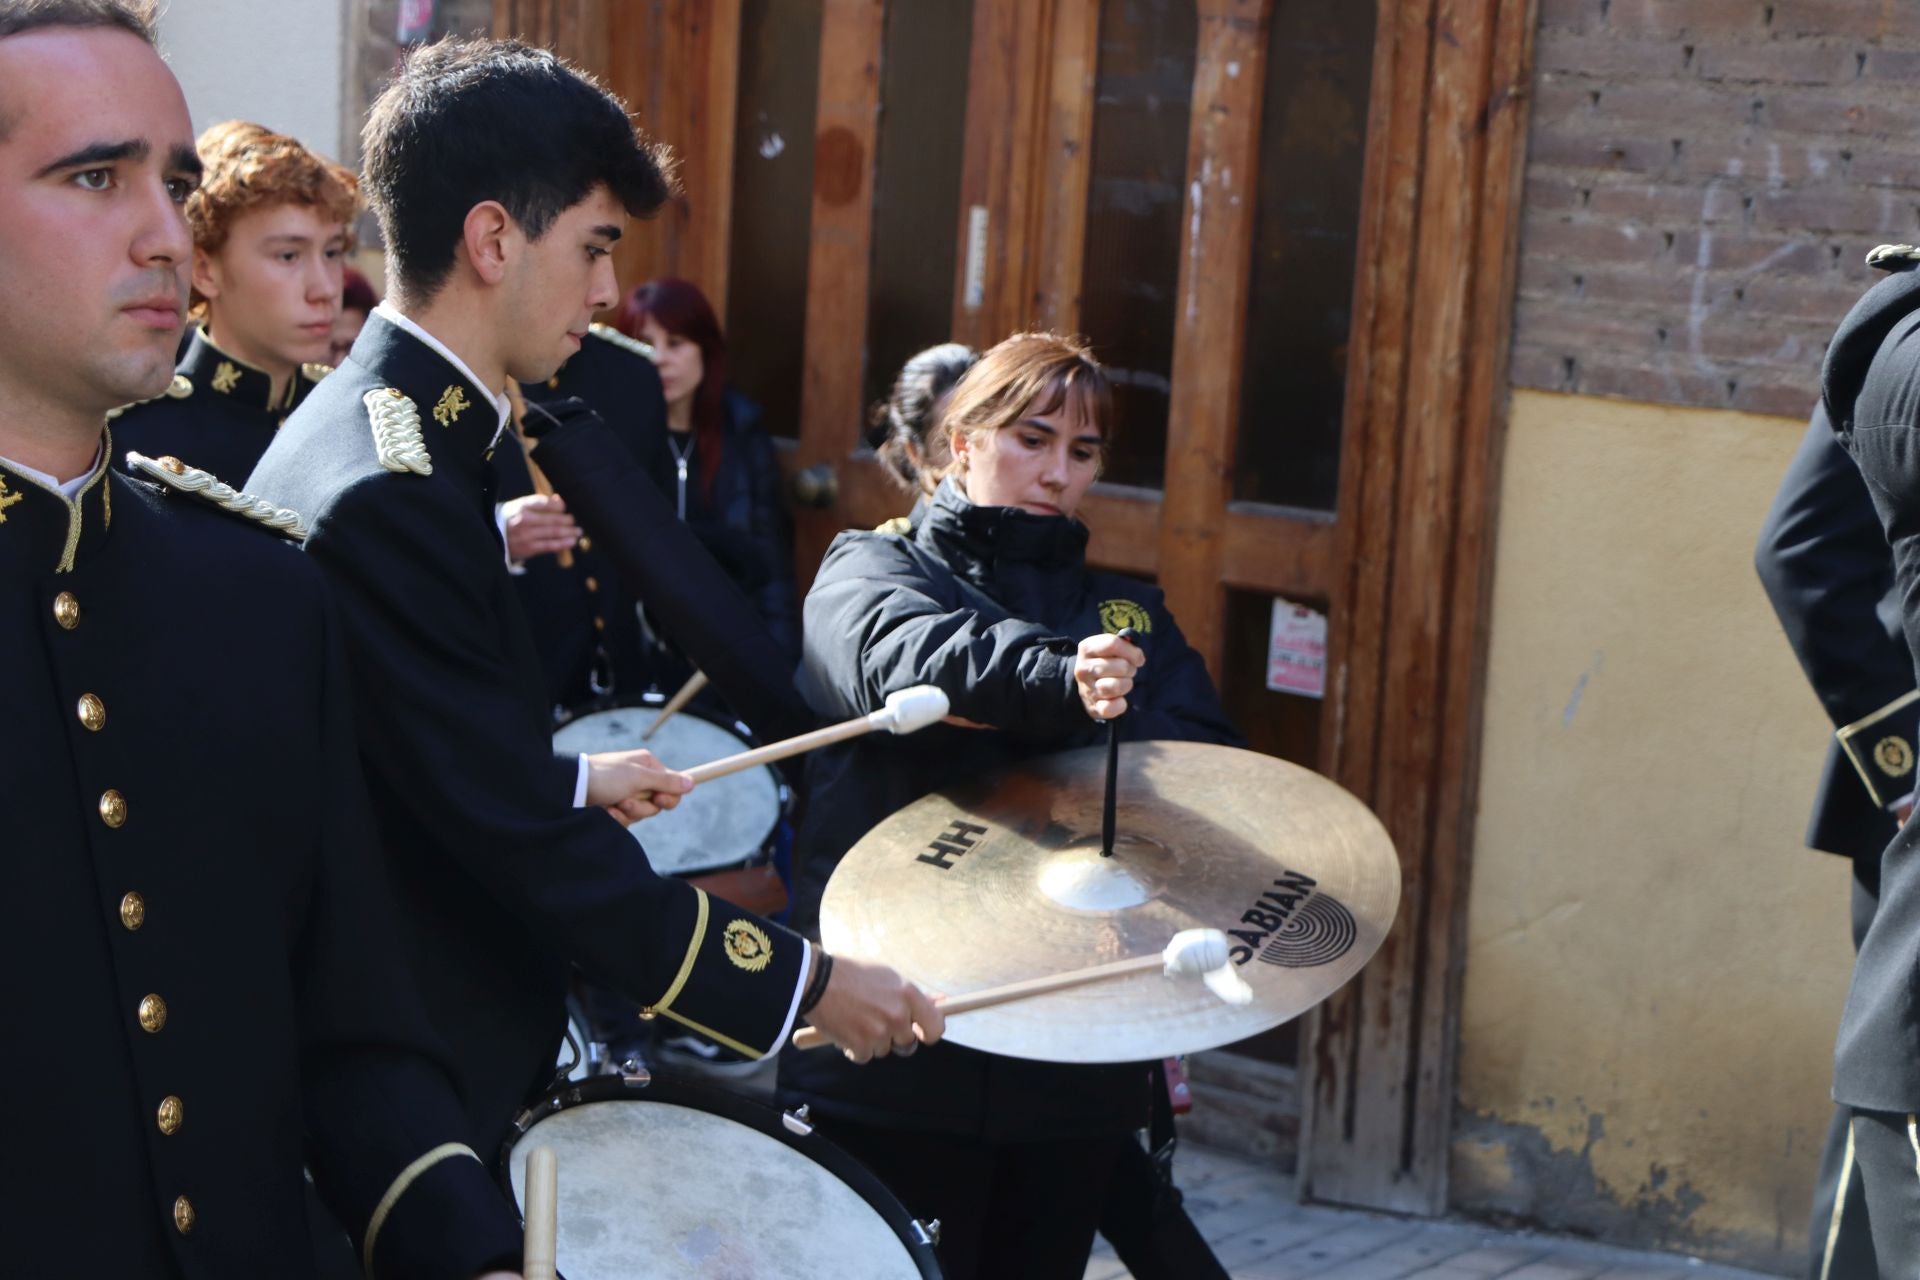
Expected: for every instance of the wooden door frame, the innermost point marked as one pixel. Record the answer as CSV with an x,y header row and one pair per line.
x,y
1405,563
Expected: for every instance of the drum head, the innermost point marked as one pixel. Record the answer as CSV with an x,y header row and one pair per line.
x,y
722,823
685,1182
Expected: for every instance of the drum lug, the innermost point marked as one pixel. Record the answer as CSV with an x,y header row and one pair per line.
x,y
633,1075
927,1233
799,1123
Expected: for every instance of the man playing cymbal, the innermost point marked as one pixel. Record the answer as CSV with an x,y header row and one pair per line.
x,y
502,178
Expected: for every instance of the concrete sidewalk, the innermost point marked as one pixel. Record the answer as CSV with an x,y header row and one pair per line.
x,y
1249,1216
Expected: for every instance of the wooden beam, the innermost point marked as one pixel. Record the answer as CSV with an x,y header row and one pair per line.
x,y
1203,410
1065,162
1433,301
840,250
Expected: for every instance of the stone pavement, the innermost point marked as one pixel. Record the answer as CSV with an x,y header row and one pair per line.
x,y
1249,1216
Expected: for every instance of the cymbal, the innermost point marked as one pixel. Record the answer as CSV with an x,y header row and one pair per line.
x,y
1000,878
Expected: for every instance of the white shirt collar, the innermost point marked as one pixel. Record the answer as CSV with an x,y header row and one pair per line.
x,y
501,404
68,489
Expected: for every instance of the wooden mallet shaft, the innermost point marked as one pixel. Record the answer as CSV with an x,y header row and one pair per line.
x,y
537,1260
907,711
695,683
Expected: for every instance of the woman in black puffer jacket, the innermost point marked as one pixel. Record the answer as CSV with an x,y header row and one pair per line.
x,y
988,596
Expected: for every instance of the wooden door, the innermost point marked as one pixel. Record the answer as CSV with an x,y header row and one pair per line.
x,y
1289,227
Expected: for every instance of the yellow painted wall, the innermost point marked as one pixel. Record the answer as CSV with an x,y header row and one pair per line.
x,y
1655,963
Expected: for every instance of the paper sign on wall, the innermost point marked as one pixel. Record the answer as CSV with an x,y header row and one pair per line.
x,y
1297,650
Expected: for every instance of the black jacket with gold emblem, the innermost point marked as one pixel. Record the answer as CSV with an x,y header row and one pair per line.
x,y
219,415
200,954
989,604
582,615
502,878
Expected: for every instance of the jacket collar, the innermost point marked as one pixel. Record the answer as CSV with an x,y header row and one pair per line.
x,y
41,530
212,370
959,530
460,422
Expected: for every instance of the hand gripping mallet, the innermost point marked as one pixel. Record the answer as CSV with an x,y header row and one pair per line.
x,y
907,711
1193,953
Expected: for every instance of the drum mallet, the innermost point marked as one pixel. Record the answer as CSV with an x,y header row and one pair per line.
x,y
907,711
537,1256
695,683
1193,953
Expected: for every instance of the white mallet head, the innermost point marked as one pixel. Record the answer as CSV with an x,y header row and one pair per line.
x,y
1203,953
910,710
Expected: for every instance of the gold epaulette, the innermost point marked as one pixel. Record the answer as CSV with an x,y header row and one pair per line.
x,y
1881,749
175,474
179,389
396,431
607,333
899,526
313,370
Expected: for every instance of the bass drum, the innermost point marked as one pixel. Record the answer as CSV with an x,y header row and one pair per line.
x,y
663,1178
722,833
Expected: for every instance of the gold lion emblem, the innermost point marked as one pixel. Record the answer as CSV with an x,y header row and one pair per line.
x,y
747,945
453,403
1117,615
225,377
1894,755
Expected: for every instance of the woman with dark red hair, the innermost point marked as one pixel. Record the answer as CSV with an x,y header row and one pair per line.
x,y
719,468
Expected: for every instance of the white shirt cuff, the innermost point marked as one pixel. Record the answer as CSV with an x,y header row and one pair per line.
x,y
799,989
580,784
514,567
1894,806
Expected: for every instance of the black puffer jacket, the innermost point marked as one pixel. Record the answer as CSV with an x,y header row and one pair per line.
x,y
990,604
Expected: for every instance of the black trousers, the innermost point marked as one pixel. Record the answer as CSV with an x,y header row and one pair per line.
x,y
1839,1235
1886,1146
1006,1210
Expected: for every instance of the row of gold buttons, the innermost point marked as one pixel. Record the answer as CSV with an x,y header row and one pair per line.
x,y
152,1013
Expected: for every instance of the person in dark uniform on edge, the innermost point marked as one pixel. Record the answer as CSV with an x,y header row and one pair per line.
x,y
502,178
1829,574
1870,392
584,623
270,229
199,936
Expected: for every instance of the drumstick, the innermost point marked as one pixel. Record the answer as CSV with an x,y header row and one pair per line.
x,y
517,406
907,711
537,1260
695,683
1200,953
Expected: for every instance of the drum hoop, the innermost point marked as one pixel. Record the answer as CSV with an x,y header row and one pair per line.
x,y
758,1116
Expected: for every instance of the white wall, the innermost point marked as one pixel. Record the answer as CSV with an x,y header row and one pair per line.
x,y
280,63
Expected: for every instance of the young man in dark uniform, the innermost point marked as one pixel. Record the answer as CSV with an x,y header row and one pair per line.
x,y
583,618
199,937
1827,571
502,179
270,229
1870,391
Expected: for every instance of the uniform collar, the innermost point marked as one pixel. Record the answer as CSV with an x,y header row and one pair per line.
x,y
46,526
386,311
455,422
211,369
998,535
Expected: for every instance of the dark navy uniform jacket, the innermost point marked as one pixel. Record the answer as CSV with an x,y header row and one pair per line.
x,y
583,618
200,960
1870,388
502,879
219,415
989,604
1828,572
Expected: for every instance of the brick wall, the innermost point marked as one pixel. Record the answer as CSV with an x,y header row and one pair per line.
x,y
1703,179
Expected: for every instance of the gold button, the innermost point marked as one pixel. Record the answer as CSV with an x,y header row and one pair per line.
x,y
113,808
66,610
92,712
183,1214
153,1014
586,544
599,624
171,1114
553,383
133,911
593,584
